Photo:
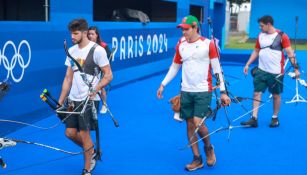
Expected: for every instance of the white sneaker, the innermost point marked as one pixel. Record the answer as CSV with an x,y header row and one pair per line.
x,y
85,172
6,143
103,109
93,161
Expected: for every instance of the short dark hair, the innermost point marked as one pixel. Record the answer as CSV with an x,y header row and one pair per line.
x,y
78,25
266,19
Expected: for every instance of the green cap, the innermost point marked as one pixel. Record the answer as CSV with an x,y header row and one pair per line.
x,y
188,22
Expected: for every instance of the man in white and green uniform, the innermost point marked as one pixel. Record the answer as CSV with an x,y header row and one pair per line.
x,y
196,55
269,49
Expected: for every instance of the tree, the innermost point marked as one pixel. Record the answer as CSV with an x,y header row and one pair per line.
x,y
238,2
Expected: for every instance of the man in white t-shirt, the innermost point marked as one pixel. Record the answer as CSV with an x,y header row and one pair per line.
x,y
90,56
197,55
269,48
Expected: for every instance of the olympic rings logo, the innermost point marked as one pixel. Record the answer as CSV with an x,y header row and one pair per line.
x,y
10,65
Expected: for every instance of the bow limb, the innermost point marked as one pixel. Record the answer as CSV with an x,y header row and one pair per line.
x,y
28,124
13,142
72,58
7,142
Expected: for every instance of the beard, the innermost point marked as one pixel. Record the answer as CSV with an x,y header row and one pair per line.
x,y
77,41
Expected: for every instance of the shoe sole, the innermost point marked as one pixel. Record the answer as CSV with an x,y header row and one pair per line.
x,y
103,112
274,126
212,165
252,126
193,169
86,173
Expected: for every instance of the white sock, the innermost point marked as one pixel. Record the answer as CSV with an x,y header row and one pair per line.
x,y
274,116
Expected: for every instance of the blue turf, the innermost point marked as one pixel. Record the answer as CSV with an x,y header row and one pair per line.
x,y
148,139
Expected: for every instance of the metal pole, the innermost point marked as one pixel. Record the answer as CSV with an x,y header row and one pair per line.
x,y
46,5
296,28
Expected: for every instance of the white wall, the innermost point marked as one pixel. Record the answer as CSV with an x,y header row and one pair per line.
x,y
243,21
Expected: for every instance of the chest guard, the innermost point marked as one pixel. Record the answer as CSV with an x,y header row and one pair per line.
x,y
89,65
277,43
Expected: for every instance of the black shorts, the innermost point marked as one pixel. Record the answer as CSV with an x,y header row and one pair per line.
x,y
85,121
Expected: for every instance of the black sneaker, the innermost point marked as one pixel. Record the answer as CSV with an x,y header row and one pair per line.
x,y
252,122
274,123
86,172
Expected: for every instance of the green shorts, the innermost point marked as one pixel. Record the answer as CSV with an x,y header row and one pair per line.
x,y
264,80
194,104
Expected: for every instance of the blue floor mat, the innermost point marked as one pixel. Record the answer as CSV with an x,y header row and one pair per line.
x,y
148,139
